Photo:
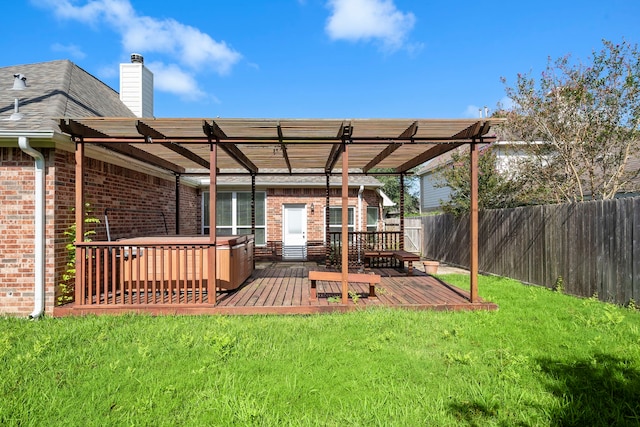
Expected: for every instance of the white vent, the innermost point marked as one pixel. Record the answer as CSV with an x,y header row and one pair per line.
x,y
136,86
19,82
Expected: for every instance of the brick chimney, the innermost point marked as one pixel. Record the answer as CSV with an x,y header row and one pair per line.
x,y
136,86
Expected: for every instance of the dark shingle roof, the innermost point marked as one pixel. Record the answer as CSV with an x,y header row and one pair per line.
x,y
54,90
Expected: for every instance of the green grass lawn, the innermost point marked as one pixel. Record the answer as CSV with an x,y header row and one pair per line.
x,y
542,359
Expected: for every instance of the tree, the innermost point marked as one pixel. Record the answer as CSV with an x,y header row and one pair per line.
x,y
495,190
579,125
392,189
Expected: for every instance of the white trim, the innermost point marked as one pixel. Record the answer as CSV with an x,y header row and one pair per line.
x,y
386,200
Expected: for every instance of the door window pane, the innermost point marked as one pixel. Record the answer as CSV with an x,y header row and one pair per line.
x,y
294,221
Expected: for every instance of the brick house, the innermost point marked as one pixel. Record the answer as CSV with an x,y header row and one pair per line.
x,y
37,179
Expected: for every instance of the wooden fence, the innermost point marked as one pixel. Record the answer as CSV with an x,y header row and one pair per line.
x,y
594,247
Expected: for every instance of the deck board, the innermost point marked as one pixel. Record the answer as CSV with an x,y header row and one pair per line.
x,y
277,290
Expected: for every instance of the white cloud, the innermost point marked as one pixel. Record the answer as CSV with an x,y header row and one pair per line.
x,y
473,112
171,78
506,103
70,49
380,20
182,46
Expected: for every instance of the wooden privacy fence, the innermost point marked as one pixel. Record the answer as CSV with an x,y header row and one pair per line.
x,y
594,247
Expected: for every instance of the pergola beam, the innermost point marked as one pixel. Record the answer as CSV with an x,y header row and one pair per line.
x,y
431,153
149,133
143,156
283,146
410,132
344,134
236,154
213,131
74,128
382,155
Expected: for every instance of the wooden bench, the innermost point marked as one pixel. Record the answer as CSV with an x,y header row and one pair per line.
x,y
370,255
336,276
408,257
402,256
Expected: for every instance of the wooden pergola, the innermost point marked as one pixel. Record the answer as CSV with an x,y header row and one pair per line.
x,y
189,146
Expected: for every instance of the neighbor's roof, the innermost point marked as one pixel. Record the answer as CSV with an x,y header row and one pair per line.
x,y
261,146
54,89
283,179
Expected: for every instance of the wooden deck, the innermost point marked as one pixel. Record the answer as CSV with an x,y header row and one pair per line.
x,y
284,288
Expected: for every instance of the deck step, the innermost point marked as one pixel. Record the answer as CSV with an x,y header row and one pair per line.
x,y
294,253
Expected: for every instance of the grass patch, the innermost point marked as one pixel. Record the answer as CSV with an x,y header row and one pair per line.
x,y
543,358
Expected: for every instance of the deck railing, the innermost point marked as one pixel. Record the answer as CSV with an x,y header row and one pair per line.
x,y
125,274
360,242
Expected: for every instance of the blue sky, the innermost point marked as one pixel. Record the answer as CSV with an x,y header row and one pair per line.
x,y
316,58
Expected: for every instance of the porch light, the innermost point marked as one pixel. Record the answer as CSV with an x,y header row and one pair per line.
x,y
313,208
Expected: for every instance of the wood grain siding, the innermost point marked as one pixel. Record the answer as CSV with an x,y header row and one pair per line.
x,y
593,246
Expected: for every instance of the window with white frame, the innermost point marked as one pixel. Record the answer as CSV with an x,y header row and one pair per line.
x,y
372,218
233,214
335,218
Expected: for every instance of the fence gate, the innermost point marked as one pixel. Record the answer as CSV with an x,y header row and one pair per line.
x,y
412,232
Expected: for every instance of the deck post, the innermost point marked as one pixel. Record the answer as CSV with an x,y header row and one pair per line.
x,y
473,223
327,228
177,204
253,204
213,189
79,217
345,222
401,243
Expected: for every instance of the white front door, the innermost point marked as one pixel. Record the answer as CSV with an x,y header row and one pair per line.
x,y
294,233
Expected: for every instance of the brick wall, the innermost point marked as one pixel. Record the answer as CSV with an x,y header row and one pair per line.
x,y
17,186
277,197
106,185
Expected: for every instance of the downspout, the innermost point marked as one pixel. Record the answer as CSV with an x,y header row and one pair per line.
x,y
360,207
39,243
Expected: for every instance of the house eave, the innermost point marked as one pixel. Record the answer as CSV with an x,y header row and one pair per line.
x,y
38,139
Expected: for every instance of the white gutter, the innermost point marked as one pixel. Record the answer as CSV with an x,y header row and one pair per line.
x,y
359,223
359,219
39,243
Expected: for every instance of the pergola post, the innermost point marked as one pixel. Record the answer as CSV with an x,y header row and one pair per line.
x,y
473,223
401,243
213,189
177,204
345,222
253,211
79,217
327,228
